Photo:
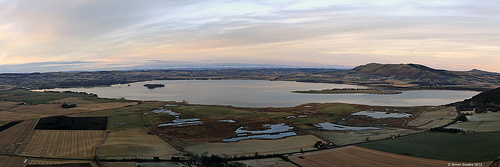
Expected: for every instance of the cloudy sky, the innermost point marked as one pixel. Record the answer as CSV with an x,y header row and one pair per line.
x,y
62,35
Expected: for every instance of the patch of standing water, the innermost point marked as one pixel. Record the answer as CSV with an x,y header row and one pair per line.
x,y
331,126
378,114
282,131
183,122
266,136
227,120
178,122
169,112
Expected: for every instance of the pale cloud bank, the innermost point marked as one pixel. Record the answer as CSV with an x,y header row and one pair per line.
x,y
117,34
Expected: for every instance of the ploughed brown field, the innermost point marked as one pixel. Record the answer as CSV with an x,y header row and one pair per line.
x,y
8,161
79,144
14,137
358,156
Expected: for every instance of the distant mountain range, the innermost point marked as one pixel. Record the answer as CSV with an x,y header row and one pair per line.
x,y
391,76
417,71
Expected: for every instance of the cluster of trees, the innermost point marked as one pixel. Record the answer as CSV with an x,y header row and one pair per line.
x,y
448,130
321,145
65,105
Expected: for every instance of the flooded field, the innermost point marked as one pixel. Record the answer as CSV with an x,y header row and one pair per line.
x,y
177,122
331,126
274,132
378,114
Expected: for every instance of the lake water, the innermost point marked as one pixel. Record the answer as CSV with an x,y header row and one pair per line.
x,y
261,93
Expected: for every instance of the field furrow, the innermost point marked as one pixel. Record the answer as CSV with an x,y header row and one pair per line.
x,y
358,156
64,143
12,138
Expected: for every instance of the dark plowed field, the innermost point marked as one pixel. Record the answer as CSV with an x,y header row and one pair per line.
x,y
72,123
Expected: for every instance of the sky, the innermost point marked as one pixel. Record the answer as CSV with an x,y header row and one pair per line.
x,y
89,35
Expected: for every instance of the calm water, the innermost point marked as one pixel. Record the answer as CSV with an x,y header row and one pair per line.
x,y
260,93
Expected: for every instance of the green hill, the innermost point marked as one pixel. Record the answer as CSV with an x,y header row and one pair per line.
x,y
483,102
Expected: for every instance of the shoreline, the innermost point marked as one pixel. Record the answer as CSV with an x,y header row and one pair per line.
x,y
348,91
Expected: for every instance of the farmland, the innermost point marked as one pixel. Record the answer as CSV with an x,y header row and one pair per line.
x,y
64,143
268,162
128,136
469,147
135,143
4,105
429,119
11,161
13,137
249,147
485,122
41,161
358,156
21,104
72,123
351,137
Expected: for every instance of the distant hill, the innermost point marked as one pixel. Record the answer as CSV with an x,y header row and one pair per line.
x,y
390,76
481,72
410,76
413,71
482,102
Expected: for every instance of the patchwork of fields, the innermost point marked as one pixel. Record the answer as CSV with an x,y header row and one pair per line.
x,y
118,129
250,147
432,119
486,122
470,147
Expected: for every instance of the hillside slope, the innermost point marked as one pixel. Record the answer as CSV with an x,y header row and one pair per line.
x,y
411,76
483,102
413,71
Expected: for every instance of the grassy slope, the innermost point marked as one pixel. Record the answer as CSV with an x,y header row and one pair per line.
x,y
473,147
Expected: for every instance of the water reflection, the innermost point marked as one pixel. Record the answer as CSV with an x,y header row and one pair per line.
x,y
259,93
274,132
331,126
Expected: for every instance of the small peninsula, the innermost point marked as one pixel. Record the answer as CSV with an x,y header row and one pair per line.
x,y
152,86
348,90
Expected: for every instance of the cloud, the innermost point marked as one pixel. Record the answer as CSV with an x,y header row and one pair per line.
x,y
41,67
283,32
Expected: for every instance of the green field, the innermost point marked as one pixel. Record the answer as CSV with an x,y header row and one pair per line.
x,y
350,137
471,147
35,97
486,122
130,117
